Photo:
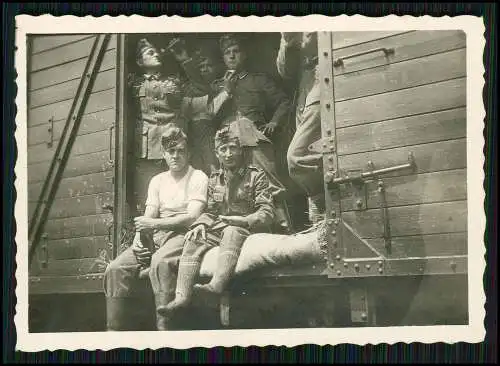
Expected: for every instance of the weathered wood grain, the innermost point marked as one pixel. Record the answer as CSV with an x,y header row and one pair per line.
x,y
77,186
84,144
92,122
424,245
59,92
95,225
59,111
406,74
78,165
68,71
76,248
71,267
350,38
424,128
44,42
80,206
67,53
406,46
444,186
431,157
422,99
434,218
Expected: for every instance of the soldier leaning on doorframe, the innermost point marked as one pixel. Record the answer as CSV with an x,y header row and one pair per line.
x,y
175,199
202,67
297,61
265,108
161,100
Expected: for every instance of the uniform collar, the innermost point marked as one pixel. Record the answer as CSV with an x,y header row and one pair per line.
x,y
239,173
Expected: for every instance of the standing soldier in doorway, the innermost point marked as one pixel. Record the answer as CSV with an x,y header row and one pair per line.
x,y
297,62
258,108
202,68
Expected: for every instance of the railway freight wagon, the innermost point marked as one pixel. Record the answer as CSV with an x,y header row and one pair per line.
x,y
393,115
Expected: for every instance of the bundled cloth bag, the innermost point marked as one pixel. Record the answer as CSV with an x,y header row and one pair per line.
x,y
263,250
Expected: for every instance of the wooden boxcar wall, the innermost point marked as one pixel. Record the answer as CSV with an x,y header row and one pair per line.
x,y
413,100
77,226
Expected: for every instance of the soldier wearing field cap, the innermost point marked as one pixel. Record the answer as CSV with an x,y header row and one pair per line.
x,y
239,203
260,107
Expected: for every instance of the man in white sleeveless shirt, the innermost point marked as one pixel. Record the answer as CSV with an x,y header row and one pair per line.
x,y
176,198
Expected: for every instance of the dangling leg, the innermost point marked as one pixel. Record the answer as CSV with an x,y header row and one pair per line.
x,y
232,240
189,268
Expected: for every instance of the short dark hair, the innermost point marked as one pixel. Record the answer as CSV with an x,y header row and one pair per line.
x,y
172,136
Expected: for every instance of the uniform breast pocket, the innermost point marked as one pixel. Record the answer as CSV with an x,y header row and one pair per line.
x,y
244,196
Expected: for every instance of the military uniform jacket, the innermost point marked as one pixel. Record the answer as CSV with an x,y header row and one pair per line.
x,y
256,97
161,101
293,64
247,194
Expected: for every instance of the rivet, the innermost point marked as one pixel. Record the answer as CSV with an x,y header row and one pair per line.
x,y
327,80
356,266
339,273
329,132
453,265
368,267
327,105
359,203
336,221
335,243
325,258
332,265
338,257
380,270
325,54
380,184
364,316
380,263
88,75
243,293
329,222
421,269
345,264
334,232
333,215
324,145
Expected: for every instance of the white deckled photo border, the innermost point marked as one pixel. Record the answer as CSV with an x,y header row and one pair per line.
x,y
476,222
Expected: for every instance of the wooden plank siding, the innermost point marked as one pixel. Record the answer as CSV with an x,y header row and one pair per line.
x,y
386,107
77,225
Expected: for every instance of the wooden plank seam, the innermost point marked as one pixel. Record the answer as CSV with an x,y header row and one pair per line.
x,y
63,149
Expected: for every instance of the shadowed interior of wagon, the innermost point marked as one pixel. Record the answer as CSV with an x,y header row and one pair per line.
x,y
402,258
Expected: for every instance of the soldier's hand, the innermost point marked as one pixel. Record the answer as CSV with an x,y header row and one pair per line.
x,y
235,220
229,82
141,253
142,222
269,128
194,233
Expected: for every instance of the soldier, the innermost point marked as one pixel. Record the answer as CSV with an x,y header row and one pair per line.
x,y
161,100
265,108
175,199
297,61
239,203
202,69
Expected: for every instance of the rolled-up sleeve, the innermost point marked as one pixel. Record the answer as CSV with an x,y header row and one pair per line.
x,y
263,217
288,60
153,198
198,187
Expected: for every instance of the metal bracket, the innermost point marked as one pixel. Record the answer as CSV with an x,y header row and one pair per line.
x,y
361,306
44,262
50,131
385,217
323,146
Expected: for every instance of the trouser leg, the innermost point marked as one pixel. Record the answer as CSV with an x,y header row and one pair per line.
x,y
231,242
162,273
189,268
120,285
304,166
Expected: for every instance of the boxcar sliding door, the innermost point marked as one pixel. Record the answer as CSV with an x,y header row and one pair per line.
x,y
74,159
394,142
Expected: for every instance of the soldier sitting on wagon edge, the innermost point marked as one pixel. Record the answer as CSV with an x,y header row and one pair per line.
x,y
240,203
175,199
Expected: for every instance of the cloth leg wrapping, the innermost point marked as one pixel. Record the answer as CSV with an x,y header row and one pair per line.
x,y
232,240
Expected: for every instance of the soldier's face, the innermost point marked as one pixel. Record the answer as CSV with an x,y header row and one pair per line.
x,y
176,156
233,57
150,58
207,70
230,155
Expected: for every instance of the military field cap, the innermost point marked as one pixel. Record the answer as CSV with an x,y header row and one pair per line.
x,y
227,134
229,40
142,46
172,136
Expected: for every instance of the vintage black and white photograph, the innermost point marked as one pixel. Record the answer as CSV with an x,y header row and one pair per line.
x,y
220,181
